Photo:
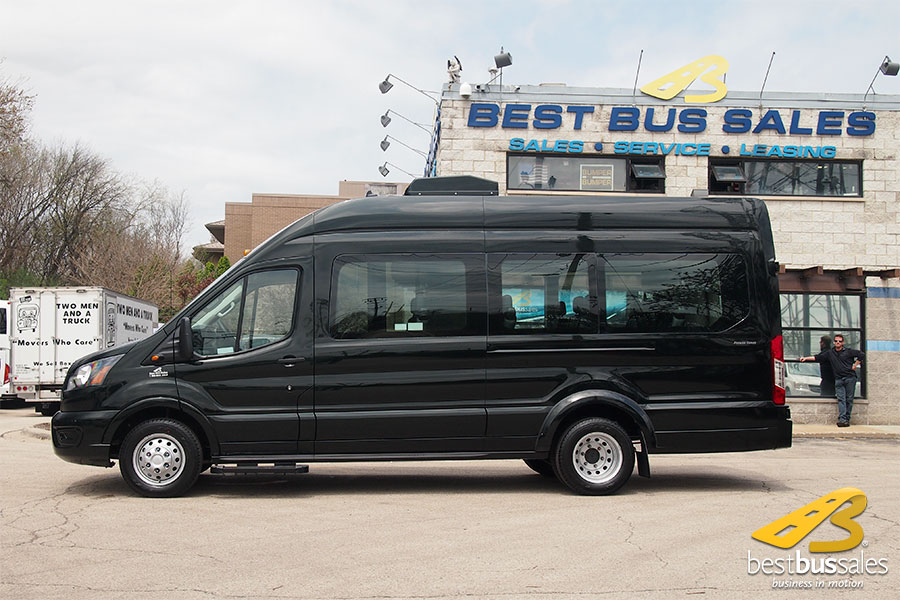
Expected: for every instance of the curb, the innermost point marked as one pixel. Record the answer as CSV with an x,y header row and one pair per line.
x,y
848,435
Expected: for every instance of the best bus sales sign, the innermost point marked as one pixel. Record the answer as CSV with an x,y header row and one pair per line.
x,y
686,120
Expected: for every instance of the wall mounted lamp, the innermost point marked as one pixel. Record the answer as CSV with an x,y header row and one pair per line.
x,y
385,86
383,169
887,67
386,120
385,144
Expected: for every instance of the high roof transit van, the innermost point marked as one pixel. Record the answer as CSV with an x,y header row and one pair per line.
x,y
581,334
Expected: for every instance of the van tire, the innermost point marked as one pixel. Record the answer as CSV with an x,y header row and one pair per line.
x,y
542,467
594,457
160,458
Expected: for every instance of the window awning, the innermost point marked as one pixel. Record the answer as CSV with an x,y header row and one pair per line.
x,y
818,279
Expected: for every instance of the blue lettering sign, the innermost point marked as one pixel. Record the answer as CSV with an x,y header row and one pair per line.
x,y
795,125
624,118
693,120
861,123
830,122
770,121
737,120
483,114
579,112
548,116
650,126
516,115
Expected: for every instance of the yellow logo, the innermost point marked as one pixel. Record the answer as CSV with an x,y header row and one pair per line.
x,y
669,86
791,528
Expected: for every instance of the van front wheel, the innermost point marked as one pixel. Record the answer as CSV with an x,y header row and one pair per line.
x,y
594,457
160,458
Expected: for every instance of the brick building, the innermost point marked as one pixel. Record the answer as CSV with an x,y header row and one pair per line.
x,y
248,224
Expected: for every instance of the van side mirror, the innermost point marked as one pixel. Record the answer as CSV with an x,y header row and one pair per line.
x,y
185,350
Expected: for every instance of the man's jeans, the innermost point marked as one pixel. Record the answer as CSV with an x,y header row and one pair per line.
x,y
844,388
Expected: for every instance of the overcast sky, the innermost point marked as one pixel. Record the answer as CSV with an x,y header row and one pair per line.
x,y
221,99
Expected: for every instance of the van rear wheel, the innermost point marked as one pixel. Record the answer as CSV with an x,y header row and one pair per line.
x,y
160,458
594,457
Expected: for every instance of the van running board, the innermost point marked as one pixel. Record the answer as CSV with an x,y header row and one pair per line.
x,y
260,469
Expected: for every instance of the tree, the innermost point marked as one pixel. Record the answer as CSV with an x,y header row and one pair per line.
x,y
67,217
15,106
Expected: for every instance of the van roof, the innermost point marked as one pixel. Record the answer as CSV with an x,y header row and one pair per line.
x,y
573,213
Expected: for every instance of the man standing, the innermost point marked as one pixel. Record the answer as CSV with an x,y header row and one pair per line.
x,y
844,362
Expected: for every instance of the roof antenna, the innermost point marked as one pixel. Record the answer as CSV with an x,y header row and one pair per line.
x,y
764,80
634,89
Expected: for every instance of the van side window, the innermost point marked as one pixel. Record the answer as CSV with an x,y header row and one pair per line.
x,y
406,296
252,312
541,293
2,321
654,293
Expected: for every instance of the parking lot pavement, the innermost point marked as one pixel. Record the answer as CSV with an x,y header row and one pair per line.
x,y
478,529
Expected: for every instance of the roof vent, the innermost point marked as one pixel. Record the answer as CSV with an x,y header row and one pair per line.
x,y
457,185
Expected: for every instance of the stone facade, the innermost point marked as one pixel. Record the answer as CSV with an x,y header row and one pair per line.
x,y
836,233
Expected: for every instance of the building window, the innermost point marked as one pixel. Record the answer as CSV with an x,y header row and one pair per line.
x,y
785,177
585,173
805,319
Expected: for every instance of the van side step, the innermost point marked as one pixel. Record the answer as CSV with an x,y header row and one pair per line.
x,y
260,469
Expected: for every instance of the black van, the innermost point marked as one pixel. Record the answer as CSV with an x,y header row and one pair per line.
x,y
578,333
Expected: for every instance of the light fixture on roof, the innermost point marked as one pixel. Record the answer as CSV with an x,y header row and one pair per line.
x,y
888,67
385,144
386,120
383,169
504,59
385,86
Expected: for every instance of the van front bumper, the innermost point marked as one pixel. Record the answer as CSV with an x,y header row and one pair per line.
x,y
77,436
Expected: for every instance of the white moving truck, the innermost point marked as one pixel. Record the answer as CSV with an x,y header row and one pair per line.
x,y
49,328
4,349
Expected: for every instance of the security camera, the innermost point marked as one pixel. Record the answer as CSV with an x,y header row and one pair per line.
x,y
465,90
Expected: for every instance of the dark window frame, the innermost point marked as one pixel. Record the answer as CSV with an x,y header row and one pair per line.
x,y
817,331
633,184
739,187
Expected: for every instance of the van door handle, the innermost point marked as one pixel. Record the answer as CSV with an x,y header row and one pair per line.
x,y
290,361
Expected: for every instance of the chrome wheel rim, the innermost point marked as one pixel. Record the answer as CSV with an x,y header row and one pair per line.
x,y
158,459
597,457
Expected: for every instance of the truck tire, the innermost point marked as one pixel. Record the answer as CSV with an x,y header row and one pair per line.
x,y
160,458
594,457
48,409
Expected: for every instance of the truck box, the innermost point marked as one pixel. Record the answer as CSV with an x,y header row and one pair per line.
x,y
49,328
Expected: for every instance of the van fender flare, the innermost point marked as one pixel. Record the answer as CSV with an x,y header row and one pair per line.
x,y
168,403
595,398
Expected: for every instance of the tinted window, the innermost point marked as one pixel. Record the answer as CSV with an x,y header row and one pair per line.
x,y
252,312
541,293
646,293
786,177
406,296
2,321
585,173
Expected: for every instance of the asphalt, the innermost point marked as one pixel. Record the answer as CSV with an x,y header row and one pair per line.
x,y
41,430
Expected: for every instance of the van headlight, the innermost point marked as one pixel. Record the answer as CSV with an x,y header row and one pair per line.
x,y
92,373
